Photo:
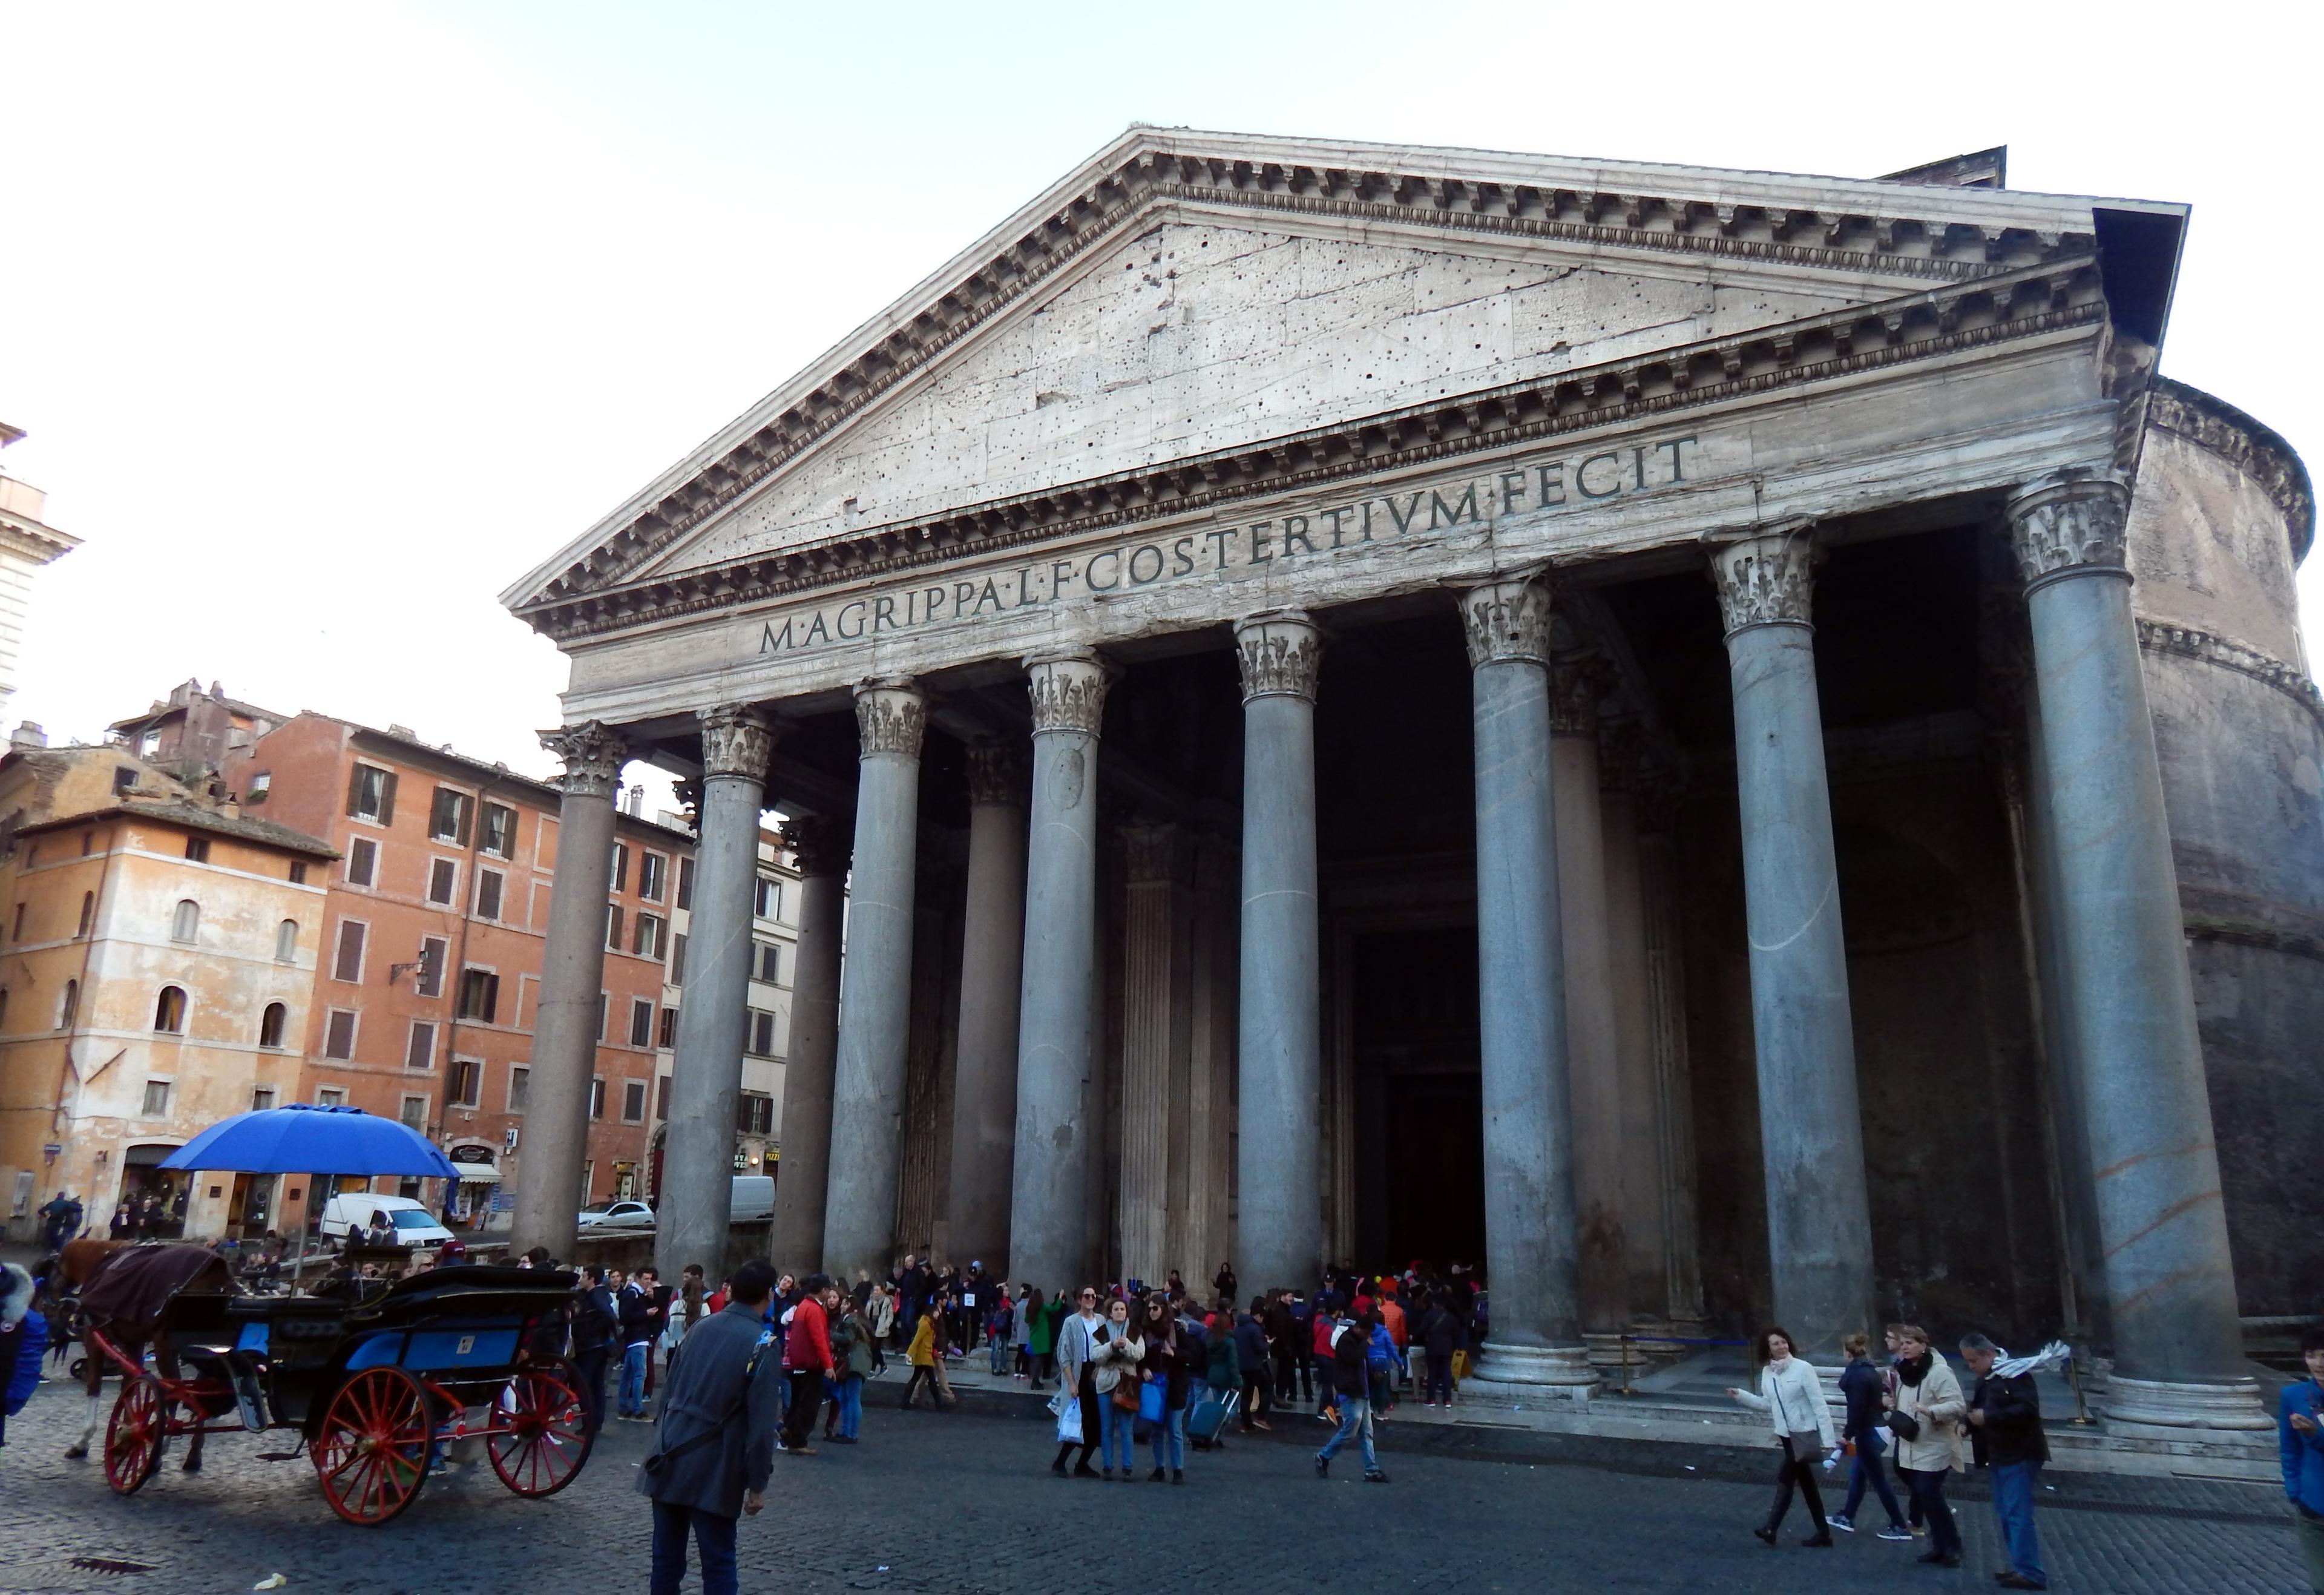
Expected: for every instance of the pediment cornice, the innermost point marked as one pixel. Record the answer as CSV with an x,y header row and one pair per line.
x,y
1859,229
2008,306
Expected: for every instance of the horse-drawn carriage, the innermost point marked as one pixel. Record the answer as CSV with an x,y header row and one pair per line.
x,y
377,1376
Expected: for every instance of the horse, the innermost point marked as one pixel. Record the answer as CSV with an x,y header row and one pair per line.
x,y
123,1291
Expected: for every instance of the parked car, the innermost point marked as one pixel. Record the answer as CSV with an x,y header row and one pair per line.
x,y
414,1224
617,1215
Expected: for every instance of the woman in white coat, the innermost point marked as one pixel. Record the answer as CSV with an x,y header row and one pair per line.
x,y
1927,1402
1792,1397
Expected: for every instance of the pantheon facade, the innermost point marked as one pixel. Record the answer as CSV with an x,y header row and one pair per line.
x,y
1723,744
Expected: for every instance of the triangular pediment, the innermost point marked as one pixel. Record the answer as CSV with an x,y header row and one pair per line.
x,y
1184,294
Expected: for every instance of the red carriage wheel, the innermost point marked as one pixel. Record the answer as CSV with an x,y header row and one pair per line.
x,y
539,1431
135,1436
371,1452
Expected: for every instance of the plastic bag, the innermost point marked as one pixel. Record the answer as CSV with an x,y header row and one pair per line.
x,y
1069,1425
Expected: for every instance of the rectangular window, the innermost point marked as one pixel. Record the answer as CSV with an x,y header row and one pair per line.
x,y
769,902
197,849
330,1096
677,961
157,1099
447,817
661,1097
519,1077
614,927
685,883
770,962
652,869
419,1051
605,999
432,951
597,1099
348,964
467,1081
640,1022
362,861
754,1115
370,794
339,1034
762,1033
499,831
256,793
634,1102
539,920
414,1113
262,1099
443,882
649,941
488,894
621,866
480,995
668,1027
298,872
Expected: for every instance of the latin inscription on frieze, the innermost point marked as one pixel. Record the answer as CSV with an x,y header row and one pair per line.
x,y
1547,484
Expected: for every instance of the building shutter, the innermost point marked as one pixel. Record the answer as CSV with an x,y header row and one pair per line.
x,y
354,791
387,799
488,894
348,967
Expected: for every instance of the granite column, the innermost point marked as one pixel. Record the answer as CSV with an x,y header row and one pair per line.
x,y
1280,1149
1057,1112
572,976
1530,1240
2138,1068
993,968
875,1007
1156,1048
1811,1132
804,1170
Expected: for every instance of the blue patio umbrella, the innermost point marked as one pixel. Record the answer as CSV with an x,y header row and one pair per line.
x,y
302,1139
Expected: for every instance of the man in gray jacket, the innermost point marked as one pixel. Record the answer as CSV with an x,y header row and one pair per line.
x,y
716,1442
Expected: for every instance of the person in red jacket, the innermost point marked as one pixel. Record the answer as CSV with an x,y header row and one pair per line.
x,y
1325,1407
806,1361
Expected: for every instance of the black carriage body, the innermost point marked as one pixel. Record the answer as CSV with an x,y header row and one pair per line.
x,y
461,1332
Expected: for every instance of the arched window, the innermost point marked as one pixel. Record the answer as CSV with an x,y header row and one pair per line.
x,y
88,912
286,941
271,1025
170,1011
187,921
69,1008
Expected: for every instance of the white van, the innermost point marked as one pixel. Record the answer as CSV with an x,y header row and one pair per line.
x,y
754,1199
414,1224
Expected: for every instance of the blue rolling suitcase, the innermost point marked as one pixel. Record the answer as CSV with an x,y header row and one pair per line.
x,y
1206,1422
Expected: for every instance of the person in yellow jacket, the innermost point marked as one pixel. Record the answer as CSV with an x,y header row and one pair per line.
x,y
927,1364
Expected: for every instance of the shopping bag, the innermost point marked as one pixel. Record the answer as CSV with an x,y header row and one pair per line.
x,y
1460,1366
1069,1425
1150,1402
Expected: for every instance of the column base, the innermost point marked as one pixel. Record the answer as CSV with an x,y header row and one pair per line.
x,y
1559,1370
2159,1409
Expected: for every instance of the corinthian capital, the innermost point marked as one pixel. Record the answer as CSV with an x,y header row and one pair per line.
x,y
737,740
1067,692
593,756
1280,652
1764,580
1507,620
2062,527
820,846
996,773
891,714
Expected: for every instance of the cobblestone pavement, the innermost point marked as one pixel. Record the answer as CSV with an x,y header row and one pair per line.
x,y
961,1502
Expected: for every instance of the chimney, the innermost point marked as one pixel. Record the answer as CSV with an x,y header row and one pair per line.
x,y
28,736
633,803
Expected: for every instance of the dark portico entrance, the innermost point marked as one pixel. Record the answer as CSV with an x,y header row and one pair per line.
x,y
1420,1189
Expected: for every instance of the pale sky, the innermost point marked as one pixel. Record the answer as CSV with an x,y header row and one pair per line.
x,y
326,322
